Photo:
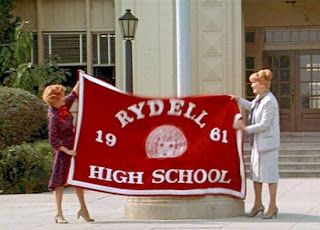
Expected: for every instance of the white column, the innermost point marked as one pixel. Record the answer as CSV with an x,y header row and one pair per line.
x,y
89,40
183,34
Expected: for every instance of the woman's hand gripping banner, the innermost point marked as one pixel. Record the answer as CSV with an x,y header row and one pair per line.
x,y
133,145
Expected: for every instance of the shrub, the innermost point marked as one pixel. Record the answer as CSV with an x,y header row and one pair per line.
x,y
22,117
25,168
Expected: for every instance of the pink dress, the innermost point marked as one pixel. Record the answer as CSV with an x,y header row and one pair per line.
x,y
61,133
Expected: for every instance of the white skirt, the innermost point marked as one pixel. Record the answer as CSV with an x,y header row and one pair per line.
x,y
264,166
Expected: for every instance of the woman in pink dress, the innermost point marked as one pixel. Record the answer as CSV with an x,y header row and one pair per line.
x,y
61,137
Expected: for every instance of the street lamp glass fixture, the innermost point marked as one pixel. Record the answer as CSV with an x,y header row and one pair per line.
x,y
128,24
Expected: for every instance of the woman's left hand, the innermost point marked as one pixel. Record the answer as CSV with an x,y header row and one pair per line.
x,y
239,124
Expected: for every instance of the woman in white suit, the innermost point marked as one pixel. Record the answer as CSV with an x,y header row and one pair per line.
x,y
264,133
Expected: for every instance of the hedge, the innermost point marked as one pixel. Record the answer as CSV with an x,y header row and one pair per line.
x,y
23,117
25,168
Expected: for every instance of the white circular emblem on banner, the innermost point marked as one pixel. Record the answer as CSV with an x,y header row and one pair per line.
x,y
166,141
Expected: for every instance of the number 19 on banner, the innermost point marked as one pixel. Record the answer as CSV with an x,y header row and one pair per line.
x,y
109,139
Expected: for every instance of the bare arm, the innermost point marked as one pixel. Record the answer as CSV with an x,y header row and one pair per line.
x,y
76,88
67,151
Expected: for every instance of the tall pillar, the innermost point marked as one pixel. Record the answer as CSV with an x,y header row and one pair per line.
x,y
89,39
183,41
156,47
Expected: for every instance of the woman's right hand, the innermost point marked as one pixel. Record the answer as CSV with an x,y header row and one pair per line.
x,y
234,97
68,151
71,152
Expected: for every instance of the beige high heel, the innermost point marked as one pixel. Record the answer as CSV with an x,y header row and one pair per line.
x,y
60,220
85,217
271,215
255,211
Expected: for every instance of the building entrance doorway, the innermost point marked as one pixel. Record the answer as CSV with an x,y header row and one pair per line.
x,y
296,84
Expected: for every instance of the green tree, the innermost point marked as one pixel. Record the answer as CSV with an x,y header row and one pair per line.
x,y
7,31
15,50
19,71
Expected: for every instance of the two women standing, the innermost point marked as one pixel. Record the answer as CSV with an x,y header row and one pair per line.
x,y
264,135
263,130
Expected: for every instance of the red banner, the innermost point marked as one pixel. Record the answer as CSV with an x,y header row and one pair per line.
x,y
133,145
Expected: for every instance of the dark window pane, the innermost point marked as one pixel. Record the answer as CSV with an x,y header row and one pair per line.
x,y
84,48
284,75
106,73
305,101
274,88
249,62
113,49
285,89
284,62
284,103
276,62
275,75
103,48
249,36
94,48
270,61
35,49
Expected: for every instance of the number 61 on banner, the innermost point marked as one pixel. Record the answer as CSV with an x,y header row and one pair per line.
x,y
215,135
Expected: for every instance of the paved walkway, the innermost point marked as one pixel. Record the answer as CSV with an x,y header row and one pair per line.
x,y
298,200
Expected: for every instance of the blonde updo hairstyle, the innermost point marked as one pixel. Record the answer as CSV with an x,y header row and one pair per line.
x,y
264,77
53,93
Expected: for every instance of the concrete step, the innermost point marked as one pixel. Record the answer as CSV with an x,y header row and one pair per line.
x,y
293,146
300,137
292,149
283,166
299,154
292,158
284,152
297,137
296,173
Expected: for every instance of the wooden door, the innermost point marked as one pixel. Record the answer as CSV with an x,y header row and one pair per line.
x,y
308,90
283,85
296,84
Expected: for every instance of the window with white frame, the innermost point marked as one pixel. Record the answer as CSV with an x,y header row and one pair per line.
x,y
103,49
292,35
70,47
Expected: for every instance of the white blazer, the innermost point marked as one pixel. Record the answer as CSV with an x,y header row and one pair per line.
x,y
266,128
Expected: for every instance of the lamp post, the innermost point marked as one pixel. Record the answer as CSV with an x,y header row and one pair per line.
x,y
128,25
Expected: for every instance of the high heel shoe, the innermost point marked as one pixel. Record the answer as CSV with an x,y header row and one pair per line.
x,y
84,216
271,215
255,211
60,220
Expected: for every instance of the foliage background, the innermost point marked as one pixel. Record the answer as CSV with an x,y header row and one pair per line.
x,y
24,161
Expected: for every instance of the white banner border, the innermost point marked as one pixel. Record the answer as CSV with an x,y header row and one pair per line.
x,y
133,192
